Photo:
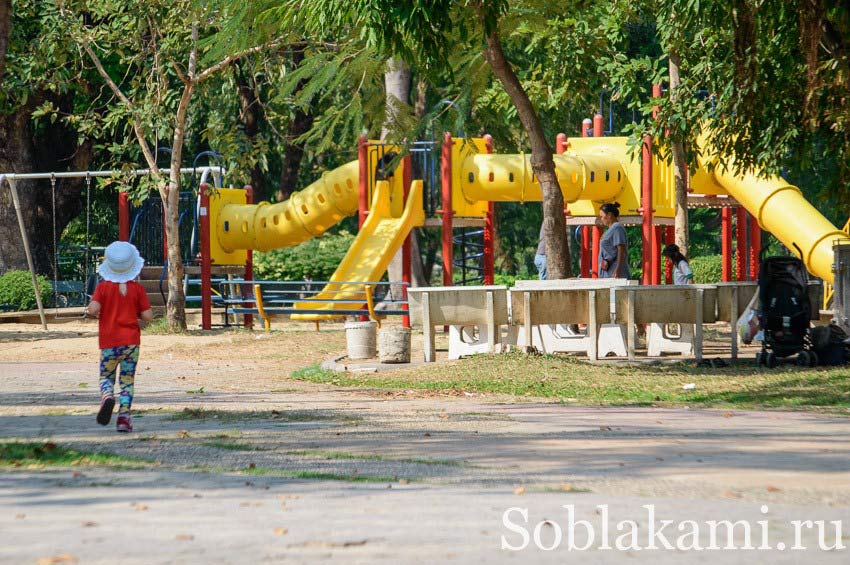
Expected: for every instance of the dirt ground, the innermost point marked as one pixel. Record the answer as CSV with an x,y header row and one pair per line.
x,y
246,464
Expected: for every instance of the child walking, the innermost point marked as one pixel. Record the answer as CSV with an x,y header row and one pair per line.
x,y
119,302
682,273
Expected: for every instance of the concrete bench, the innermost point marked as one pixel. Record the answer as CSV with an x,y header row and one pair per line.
x,y
559,338
485,307
539,308
690,304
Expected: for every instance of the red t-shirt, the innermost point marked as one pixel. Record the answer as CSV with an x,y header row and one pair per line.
x,y
119,314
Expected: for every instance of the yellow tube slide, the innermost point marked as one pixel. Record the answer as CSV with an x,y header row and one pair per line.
x,y
782,210
509,178
306,214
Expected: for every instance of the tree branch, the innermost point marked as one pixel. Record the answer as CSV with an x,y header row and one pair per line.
x,y
206,73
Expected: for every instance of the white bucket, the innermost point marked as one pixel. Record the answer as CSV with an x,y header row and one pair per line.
x,y
394,345
360,338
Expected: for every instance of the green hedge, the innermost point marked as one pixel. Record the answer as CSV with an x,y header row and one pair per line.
x,y
315,260
707,269
16,290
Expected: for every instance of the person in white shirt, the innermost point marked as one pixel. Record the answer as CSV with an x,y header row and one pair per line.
x,y
682,273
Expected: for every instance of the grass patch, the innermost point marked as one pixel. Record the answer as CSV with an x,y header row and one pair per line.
x,y
375,457
231,446
316,475
40,455
157,326
741,385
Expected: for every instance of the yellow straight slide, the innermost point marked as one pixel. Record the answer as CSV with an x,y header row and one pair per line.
x,y
378,240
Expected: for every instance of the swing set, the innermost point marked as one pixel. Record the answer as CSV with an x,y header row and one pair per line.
x,y
62,289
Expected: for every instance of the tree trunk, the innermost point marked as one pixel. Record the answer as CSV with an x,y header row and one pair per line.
x,y
250,114
293,152
25,149
5,31
397,85
680,167
558,263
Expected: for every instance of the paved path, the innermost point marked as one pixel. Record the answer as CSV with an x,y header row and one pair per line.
x,y
445,469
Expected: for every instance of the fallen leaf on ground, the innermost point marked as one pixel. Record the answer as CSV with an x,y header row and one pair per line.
x,y
771,488
605,428
403,481
728,414
731,494
252,466
184,433
185,537
77,474
426,434
62,558
281,531
141,507
20,516
89,524
519,490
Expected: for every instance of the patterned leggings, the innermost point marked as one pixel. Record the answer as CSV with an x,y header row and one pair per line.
x,y
126,356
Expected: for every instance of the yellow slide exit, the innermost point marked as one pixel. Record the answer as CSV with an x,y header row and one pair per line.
x,y
378,240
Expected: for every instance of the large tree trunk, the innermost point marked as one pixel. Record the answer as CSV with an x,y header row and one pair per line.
x,y
5,31
558,262
680,167
24,149
293,151
250,114
397,85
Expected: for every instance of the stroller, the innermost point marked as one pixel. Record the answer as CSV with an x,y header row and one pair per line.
x,y
786,312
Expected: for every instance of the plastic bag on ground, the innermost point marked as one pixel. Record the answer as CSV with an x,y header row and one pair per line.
x,y
749,323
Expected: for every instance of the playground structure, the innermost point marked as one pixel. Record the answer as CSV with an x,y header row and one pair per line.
x,y
591,171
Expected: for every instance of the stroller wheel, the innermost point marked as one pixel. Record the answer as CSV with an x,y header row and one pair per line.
x,y
759,359
803,359
813,359
770,360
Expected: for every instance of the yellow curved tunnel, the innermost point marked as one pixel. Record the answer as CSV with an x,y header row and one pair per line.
x,y
306,214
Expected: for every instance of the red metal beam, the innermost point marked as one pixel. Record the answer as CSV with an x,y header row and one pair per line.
x,y
249,266
206,260
447,212
755,248
741,245
726,244
407,174
123,216
489,229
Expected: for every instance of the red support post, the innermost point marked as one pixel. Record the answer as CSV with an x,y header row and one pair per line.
x,y
755,248
585,252
406,278
655,255
206,260
741,245
726,243
597,232
598,126
447,212
363,184
489,229
123,216
648,263
249,266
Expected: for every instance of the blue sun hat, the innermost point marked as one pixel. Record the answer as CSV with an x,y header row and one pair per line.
x,y
121,262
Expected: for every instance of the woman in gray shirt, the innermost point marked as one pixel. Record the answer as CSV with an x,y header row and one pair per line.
x,y
613,247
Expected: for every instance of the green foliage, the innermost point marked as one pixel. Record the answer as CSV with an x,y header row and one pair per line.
x,y
707,269
16,290
315,260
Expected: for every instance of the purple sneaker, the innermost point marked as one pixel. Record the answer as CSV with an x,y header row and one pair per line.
x,y
124,424
107,403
